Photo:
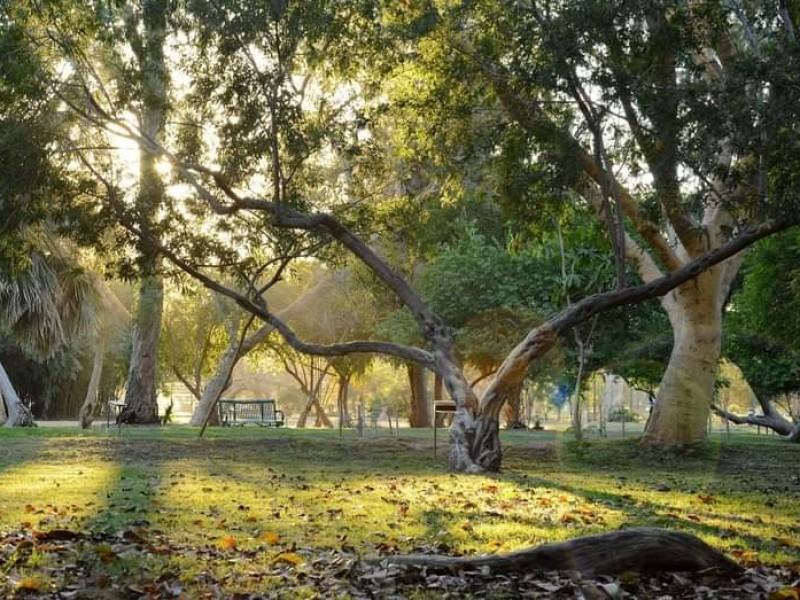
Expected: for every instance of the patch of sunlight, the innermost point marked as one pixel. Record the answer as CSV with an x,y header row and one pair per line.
x,y
47,495
253,506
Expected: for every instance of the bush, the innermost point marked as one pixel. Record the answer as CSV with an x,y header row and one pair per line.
x,y
621,413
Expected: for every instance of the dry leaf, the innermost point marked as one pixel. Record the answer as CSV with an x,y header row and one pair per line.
x,y
289,558
227,543
270,538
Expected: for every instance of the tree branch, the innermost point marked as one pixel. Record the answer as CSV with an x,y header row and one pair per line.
x,y
531,116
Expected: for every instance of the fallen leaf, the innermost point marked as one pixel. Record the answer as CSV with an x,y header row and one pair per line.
x,y
270,538
289,558
227,543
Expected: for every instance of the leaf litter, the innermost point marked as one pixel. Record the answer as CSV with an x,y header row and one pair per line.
x,y
136,562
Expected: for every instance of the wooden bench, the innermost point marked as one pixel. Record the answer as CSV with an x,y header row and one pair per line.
x,y
242,412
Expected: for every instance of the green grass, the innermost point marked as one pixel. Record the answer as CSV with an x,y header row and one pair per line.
x,y
233,507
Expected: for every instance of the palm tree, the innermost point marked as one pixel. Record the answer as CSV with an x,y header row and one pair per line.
x,y
53,303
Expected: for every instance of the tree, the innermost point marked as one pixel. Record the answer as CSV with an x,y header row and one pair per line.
x,y
695,96
52,304
254,86
762,328
147,36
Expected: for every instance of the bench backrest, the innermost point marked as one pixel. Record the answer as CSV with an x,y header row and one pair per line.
x,y
248,410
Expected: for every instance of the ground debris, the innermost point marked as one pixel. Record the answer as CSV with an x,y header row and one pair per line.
x,y
84,564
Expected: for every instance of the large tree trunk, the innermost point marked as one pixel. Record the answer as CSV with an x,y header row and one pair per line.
x,y
17,414
141,396
204,412
641,550
91,406
420,415
681,411
512,411
141,392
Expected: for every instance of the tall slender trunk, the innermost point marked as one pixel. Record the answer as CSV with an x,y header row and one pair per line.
x,y
577,399
681,411
91,406
141,394
342,398
420,415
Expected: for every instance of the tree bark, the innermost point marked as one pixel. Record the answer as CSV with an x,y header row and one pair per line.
x,y
639,550
17,414
312,390
681,410
323,420
141,393
91,407
342,398
512,411
141,396
420,415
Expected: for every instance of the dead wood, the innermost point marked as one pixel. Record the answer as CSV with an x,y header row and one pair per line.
x,y
638,549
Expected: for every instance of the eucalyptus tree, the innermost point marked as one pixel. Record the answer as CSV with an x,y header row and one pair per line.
x,y
275,143
674,120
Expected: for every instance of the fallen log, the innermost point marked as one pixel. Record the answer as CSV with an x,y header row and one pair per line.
x,y
643,550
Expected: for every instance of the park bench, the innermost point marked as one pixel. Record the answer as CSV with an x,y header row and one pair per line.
x,y
242,412
113,409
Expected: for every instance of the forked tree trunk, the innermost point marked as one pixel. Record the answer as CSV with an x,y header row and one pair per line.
x,y
141,396
323,420
91,406
17,414
681,411
420,415
640,550
475,433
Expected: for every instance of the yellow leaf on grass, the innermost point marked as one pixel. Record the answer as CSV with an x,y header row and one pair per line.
x,y
289,558
227,543
270,538
31,584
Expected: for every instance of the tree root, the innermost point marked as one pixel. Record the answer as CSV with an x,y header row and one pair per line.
x,y
638,549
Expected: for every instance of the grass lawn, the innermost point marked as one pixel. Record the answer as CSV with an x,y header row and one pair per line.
x,y
157,512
